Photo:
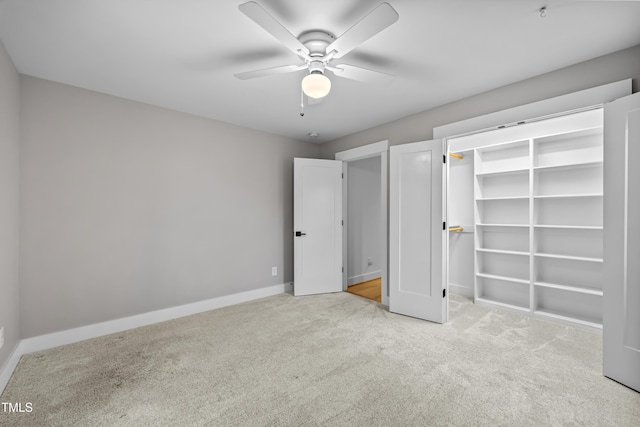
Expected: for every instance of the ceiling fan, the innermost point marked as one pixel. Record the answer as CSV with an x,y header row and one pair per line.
x,y
319,49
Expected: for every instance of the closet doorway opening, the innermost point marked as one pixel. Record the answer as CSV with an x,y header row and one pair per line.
x,y
530,206
365,258
525,215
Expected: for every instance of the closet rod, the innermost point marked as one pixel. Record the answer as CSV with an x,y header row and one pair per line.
x,y
456,229
457,156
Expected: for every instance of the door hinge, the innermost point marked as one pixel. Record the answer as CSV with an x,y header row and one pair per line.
x,y
444,158
342,175
343,222
444,293
444,225
343,269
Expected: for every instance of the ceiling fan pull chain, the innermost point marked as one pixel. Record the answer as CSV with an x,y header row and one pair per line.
x,y
301,102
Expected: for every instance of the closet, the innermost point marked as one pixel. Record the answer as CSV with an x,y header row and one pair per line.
x,y
520,225
525,214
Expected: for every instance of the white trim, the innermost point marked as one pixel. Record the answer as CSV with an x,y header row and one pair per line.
x,y
573,101
384,205
588,119
10,366
359,278
55,339
369,150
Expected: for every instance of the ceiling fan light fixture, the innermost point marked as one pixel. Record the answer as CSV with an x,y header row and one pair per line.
x,y
316,85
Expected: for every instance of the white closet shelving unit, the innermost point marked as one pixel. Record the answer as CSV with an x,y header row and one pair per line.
x,y
568,227
538,222
502,212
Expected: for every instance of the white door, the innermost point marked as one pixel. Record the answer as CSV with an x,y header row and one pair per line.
x,y
621,287
416,235
317,222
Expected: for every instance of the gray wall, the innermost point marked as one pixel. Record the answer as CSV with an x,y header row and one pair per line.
x,y
460,210
364,220
9,141
419,127
128,208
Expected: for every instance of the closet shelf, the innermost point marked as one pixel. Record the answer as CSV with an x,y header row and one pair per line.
x,y
577,289
588,323
504,225
503,172
570,257
489,199
576,165
570,227
495,303
502,251
568,196
503,278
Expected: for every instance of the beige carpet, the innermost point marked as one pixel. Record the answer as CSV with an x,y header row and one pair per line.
x,y
332,359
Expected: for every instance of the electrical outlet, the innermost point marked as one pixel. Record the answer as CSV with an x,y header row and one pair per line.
x,y
369,261
274,271
1,337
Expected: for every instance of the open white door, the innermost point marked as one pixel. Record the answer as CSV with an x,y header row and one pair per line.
x,y
416,235
621,287
317,222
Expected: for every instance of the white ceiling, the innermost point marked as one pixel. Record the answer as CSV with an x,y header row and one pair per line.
x,y
182,54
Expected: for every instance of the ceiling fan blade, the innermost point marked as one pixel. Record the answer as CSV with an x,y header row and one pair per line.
x,y
361,74
377,20
269,71
260,16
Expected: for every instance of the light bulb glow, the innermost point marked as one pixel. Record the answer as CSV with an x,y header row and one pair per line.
x,y
316,85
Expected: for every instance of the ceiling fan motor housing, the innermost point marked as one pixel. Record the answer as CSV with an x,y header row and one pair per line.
x,y
316,42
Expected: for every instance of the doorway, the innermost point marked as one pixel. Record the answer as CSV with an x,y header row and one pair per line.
x,y
364,228
365,256
371,289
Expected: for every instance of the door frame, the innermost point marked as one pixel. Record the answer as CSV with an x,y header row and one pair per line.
x,y
377,149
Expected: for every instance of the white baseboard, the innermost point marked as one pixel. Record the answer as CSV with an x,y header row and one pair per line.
x,y
460,290
43,342
359,278
10,366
